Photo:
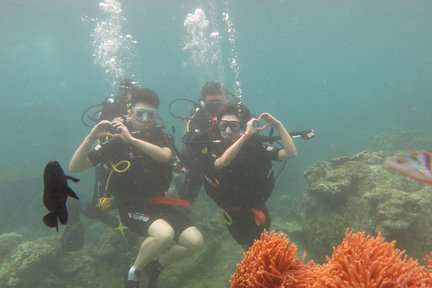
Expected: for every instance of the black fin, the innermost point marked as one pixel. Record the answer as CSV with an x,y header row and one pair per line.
x,y
73,208
51,220
63,216
72,178
71,193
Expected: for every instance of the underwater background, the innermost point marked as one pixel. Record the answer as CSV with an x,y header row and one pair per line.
x,y
357,72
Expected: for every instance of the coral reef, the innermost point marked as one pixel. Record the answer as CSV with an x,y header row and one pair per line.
x,y
365,261
42,262
272,262
28,258
359,261
8,242
359,193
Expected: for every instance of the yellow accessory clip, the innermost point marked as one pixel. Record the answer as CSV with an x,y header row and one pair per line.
x,y
115,168
187,128
104,203
226,217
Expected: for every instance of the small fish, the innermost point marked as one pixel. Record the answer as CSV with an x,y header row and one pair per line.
x,y
56,191
416,165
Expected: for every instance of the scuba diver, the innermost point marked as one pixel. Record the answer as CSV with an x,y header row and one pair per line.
x,y
239,176
73,235
138,161
200,125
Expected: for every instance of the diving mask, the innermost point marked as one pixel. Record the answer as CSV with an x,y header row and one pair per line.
x,y
144,113
234,126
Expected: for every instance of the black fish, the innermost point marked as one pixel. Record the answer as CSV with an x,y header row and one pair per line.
x,y
56,191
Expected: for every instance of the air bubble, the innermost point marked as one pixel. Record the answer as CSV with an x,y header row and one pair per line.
x,y
113,51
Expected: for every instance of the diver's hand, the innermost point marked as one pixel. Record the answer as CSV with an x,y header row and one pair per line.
x,y
252,127
99,130
270,120
123,132
119,119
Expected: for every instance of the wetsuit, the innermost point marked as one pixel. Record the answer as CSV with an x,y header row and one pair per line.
x,y
194,153
242,188
136,180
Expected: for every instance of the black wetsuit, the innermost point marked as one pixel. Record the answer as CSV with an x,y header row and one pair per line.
x,y
242,188
136,180
194,152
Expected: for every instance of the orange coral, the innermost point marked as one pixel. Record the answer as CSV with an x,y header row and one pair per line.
x,y
272,262
360,261
428,260
365,261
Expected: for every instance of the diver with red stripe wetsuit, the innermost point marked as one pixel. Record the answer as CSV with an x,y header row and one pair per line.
x,y
138,160
239,177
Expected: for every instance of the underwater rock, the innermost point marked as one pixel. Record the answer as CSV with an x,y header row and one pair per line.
x,y
8,242
394,210
27,261
42,263
323,180
396,225
112,244
359,193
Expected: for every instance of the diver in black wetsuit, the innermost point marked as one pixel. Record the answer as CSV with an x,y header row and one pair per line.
x,y
73,235
138,161
199,126
239,176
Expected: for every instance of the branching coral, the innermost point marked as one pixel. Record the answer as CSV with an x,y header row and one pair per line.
x,y
360,261
428,260
272,262
366,261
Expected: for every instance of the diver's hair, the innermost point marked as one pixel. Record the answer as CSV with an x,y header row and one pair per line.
x,y
237,109
145,96
212,88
